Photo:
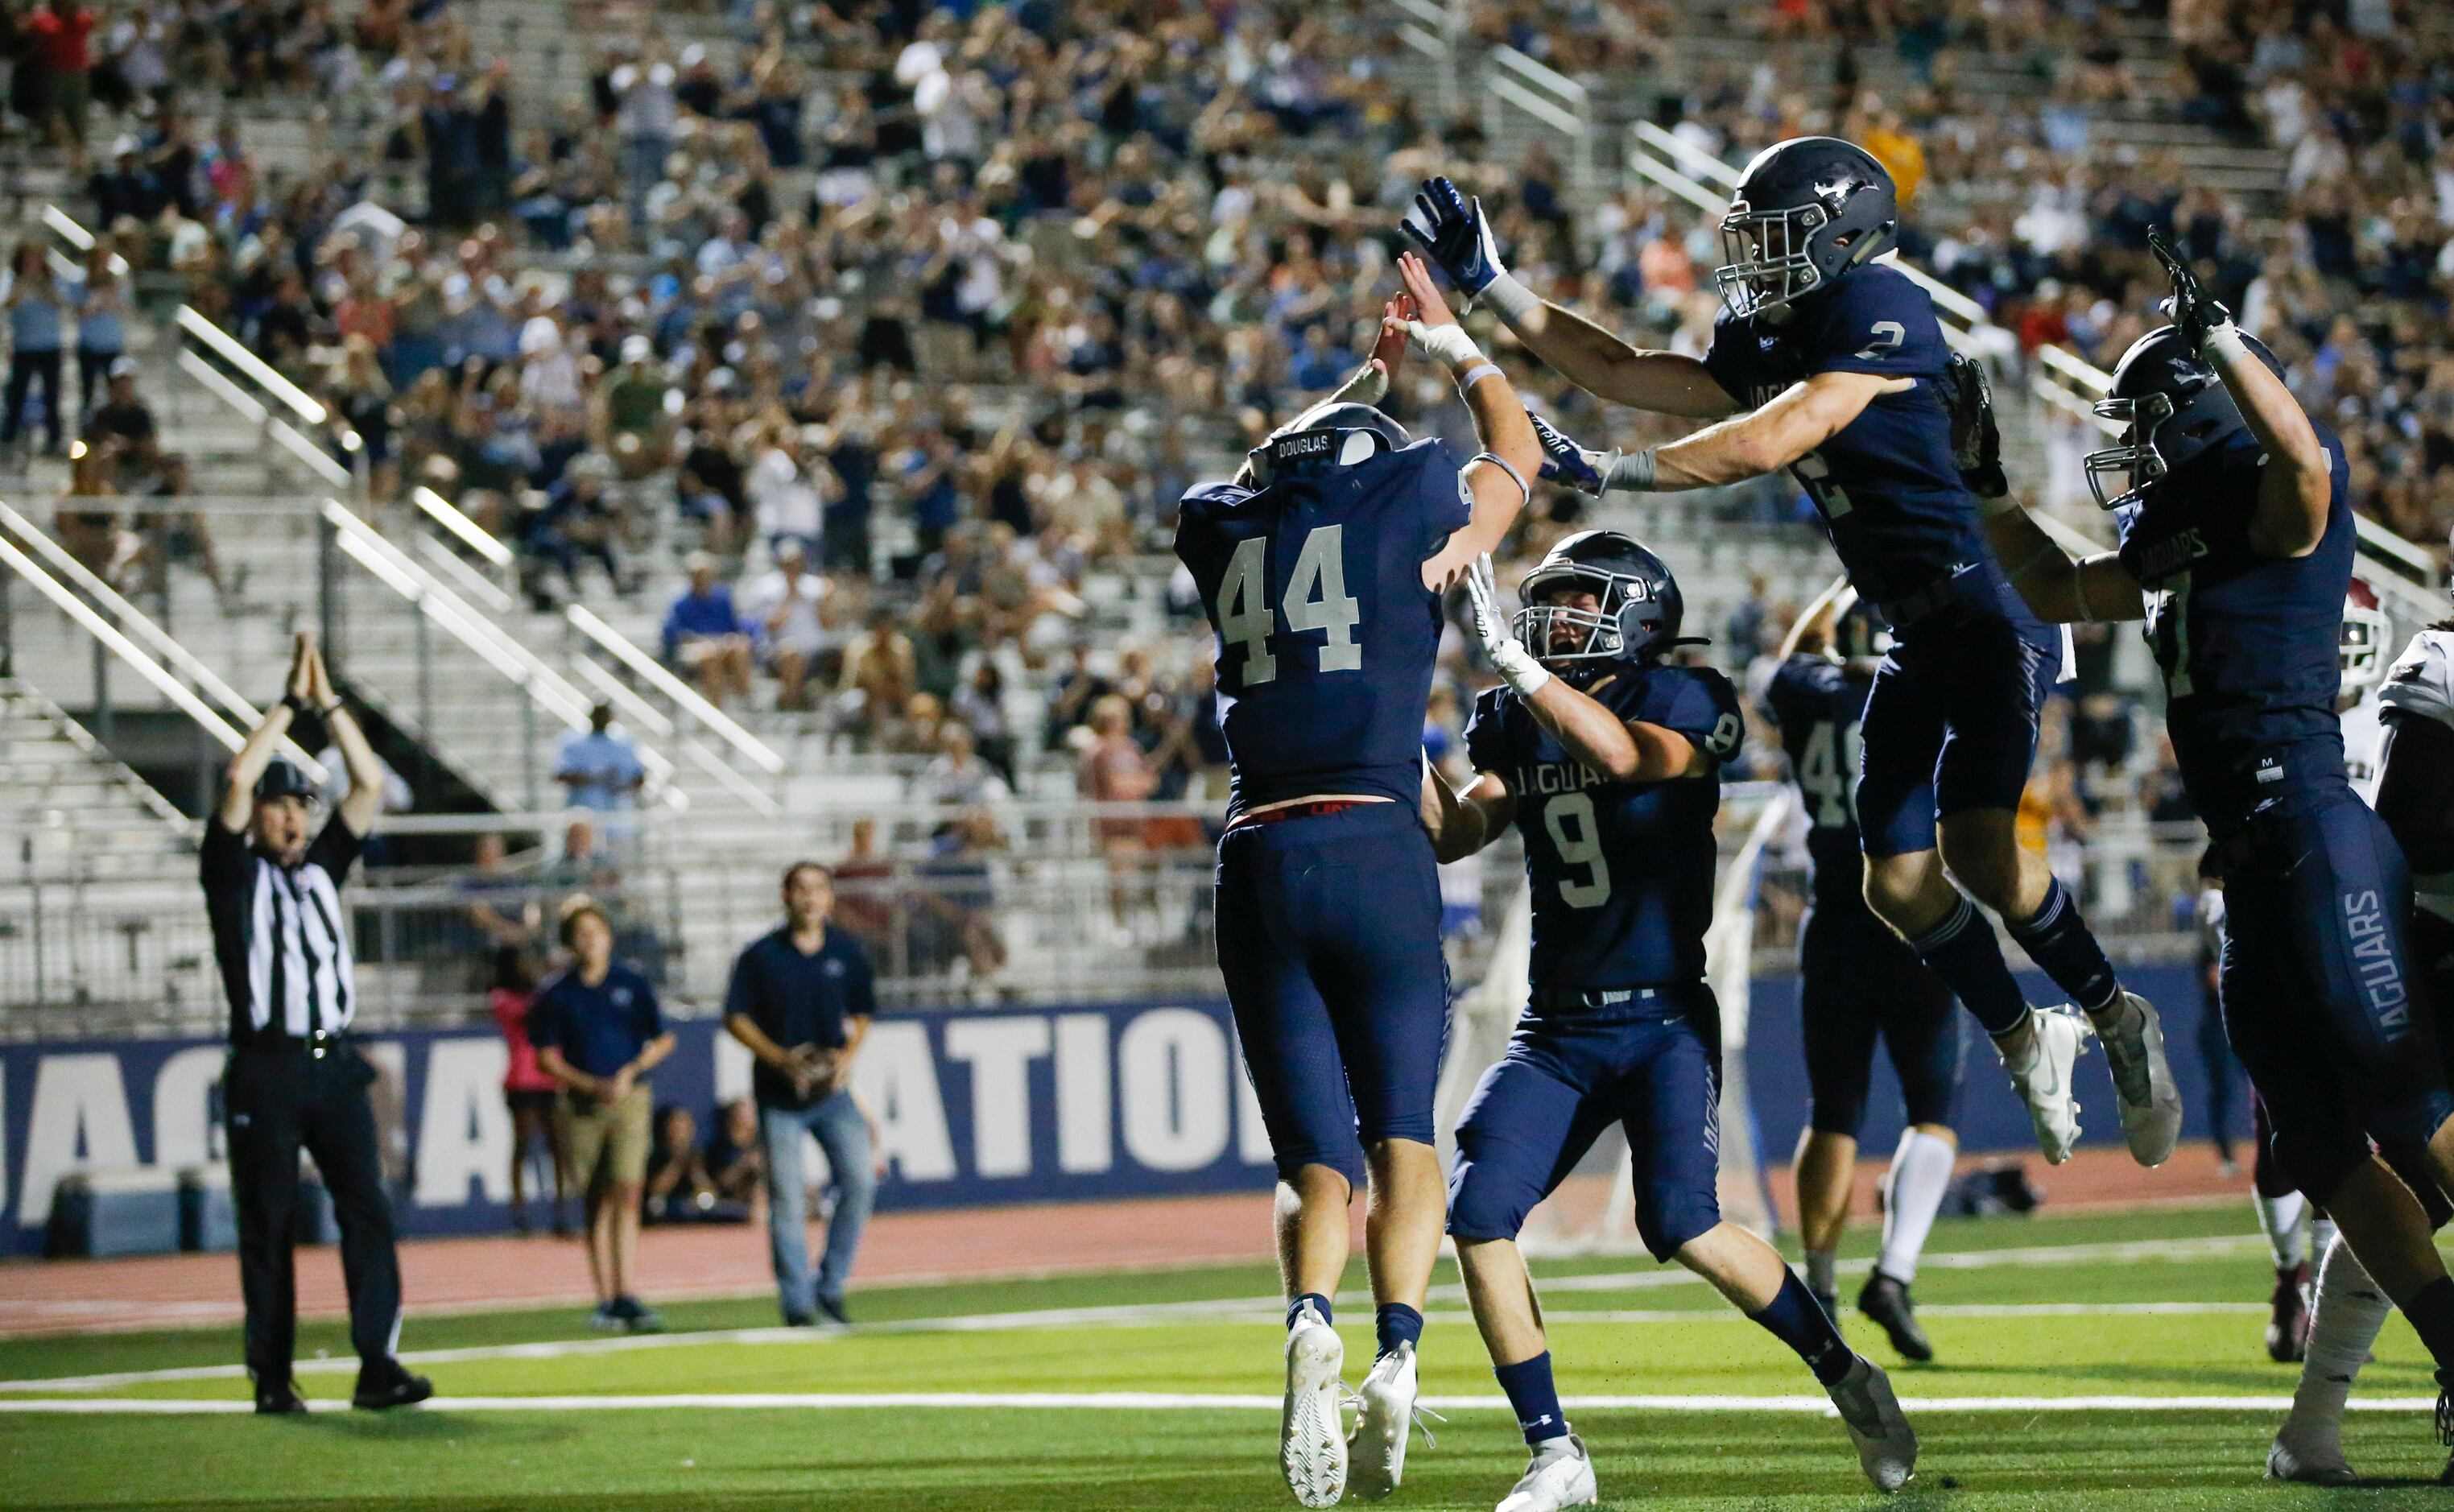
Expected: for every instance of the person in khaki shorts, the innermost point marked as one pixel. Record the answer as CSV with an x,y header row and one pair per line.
x,y
598,1031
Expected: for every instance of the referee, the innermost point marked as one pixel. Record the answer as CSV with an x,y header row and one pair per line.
x,y
295,1079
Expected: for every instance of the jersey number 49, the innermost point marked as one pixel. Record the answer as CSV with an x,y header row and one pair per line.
x,y
1316,600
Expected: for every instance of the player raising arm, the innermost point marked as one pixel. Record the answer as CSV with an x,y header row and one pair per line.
x,y
1608,759
1320,569
1829,363
2236,548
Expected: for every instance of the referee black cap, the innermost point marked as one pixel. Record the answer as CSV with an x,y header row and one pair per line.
x,y
283,780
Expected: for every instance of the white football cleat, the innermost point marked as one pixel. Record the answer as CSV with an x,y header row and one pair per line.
x,y
1886,1444
2044,1080
1559,1477
2310,1453
1312,1439
1384,1415
2143,1091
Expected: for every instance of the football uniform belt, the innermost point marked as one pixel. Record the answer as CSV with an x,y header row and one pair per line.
x,y
1944,592
1569,1000
1296,811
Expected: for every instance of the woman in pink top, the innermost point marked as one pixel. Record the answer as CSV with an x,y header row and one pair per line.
x,y
528,1091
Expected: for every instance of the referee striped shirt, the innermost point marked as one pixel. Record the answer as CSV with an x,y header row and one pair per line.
x,y
280,933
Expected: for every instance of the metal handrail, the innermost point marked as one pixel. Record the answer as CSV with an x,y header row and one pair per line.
x,y
140,627
254,412
126,650
459,526
1541,74
297,400
547,689
660,677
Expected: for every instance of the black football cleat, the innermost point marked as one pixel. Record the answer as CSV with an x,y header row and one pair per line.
x,y
1886,1303
279,1402
393,1387
2288,1318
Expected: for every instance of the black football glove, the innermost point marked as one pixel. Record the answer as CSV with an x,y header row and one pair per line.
x,y
1976,441
2192,309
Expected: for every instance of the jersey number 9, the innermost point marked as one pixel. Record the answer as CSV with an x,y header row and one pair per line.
x,y
1577,835
1316,600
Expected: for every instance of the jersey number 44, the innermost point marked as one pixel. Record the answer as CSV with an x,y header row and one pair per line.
x,y
1316,600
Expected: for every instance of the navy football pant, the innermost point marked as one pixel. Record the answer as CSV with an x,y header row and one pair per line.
x,y
1652,1065
1329,937
1859,981
2320,998
1951,725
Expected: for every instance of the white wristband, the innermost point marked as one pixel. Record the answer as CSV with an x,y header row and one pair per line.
x,y
2223,342
1525,495
1448,345
1486,369
1512,300
1995,507
1632,474
1518,668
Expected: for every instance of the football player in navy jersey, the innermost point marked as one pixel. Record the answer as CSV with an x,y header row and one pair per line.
x,y
2235,519
1858,981
1322,568
1831,364
1607,759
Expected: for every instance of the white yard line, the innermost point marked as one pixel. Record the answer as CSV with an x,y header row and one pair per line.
x,y
1264,1309
1144,1401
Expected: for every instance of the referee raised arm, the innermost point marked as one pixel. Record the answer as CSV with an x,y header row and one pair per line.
x,y
295,1079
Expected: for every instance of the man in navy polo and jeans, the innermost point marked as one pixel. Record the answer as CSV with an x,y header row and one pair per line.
x,y
801,998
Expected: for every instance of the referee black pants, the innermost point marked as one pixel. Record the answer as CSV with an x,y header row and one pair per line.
x,y
279,1101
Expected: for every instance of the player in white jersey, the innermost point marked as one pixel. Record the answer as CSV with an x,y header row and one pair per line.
x,y
2412,788
2360,648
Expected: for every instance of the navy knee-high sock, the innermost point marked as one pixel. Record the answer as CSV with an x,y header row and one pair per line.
x,y
1965,955
1537,1401
1799,1320
2059,942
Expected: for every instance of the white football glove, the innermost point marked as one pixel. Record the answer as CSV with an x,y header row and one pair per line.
x,y
1514,664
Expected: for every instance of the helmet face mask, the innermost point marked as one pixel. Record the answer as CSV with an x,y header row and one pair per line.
x,y
1768,261
2135,461
1568,618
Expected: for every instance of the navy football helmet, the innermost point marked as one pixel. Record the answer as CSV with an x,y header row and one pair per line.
x,y
2173,409
1806,211
1637,607
1346,435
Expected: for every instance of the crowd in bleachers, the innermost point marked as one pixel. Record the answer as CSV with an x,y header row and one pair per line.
x,y
865,346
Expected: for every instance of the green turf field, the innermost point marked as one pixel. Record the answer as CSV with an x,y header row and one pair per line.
x,y
2138,1311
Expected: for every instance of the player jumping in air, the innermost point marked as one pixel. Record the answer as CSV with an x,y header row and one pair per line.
x,y
1322,568
2237,540
1608,762
1859,981
1830,364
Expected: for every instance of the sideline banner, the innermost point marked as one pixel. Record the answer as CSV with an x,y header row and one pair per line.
x,y
972,1107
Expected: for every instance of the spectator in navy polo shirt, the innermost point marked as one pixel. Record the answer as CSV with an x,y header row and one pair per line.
x,y
598,1031
801,1000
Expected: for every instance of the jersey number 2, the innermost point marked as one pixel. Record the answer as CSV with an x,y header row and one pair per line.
x,y
1316,600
